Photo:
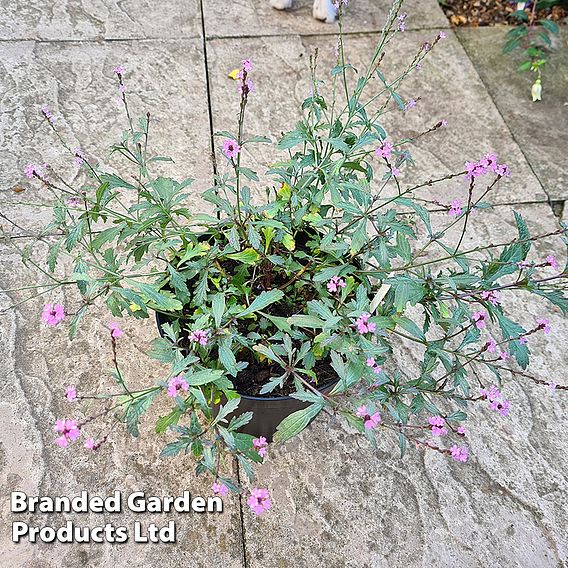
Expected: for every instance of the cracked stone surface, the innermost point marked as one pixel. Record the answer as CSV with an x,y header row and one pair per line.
x,y
368,508
36,364
447,87
258,18
537,127
76,81
101,19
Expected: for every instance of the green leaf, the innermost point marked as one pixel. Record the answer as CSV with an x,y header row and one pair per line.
x,y
260,302
218,308
203,377
159,299
247,256
524,234
136,408
406,290
292,425
164,422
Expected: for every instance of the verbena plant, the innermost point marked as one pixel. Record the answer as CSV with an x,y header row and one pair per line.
x,y
336,265
533,37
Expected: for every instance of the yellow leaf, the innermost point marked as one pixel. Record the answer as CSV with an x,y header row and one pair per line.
x,y
233,74
134,307
285,192
288,242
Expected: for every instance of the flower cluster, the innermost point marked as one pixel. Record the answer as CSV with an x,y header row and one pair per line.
x,y
176,384
484,166
496,401
69,430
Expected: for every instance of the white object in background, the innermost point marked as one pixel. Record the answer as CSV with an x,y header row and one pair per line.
x,y
323,10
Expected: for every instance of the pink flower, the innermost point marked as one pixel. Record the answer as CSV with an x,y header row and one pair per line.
x,y
370,421
48,114
491,394
438,426
31,169
71,393
444,122
551,261
523,264
461,430
504,355
491,346
119,70
122,88
363,324
79,157
552,385
372,363
246,87
402,21
176,384
502,406
259,501
69,430
410,104
231,149
442,35
90,444
456,208
247,65
384,150
479,319
523,340
502,170
115,331
219,489
459,453
335,283
260,444
490,295
395,172
481,167
200,336
53,314
544,324
73,201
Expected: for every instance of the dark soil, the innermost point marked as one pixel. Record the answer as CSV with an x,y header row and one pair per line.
x,y
491,12
250,380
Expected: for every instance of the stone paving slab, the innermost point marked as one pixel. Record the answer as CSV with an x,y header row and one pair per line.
x,y
258,18
101,19
339,503
448,87
76,80
541,128
36,363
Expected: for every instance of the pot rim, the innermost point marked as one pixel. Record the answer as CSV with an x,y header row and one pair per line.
x,y
248,396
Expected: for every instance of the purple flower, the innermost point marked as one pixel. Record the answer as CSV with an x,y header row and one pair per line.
x,y
552,385
53,314
479,319
504,355
69,430
442,35
259,501
219,489
176,384
79,157
402,21
523,264
395,172
372,363
246,87
71,393
247,65
260,445
491,295
491,346
363,324
48,114
384,150
438,426
455,208
230,148
410,104
544,324
200,336
491,394
335,283
502,406
481,167
550,260
115,331
370,420
90,444
459,453
119,70
461,430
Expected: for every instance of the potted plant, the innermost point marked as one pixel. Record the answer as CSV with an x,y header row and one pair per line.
x,y
271,312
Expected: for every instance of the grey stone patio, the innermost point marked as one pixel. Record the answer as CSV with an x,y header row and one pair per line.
x,y
337,502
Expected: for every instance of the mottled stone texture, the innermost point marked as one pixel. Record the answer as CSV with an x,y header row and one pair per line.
x,y
258,18
99,19
336,501
541,128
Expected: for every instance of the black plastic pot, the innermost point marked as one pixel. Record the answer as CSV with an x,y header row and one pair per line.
x,y
268,412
